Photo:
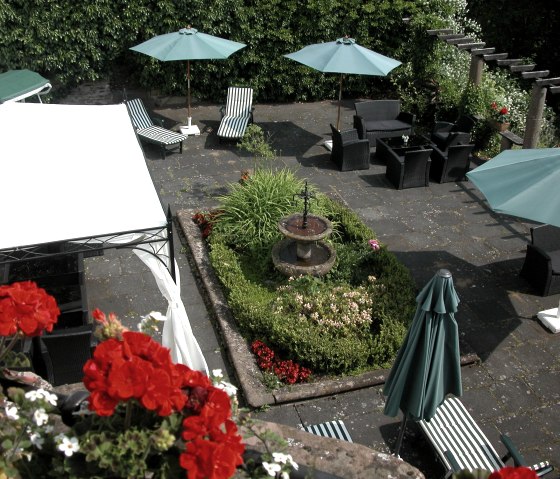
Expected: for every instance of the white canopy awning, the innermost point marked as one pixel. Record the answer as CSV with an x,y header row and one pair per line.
x,y
72,171
78,172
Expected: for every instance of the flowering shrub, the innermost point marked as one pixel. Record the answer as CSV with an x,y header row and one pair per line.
x,y
341,309
373,243
286,371
498,113
145,416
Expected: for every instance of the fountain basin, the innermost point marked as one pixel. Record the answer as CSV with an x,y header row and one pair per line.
x,y
302,251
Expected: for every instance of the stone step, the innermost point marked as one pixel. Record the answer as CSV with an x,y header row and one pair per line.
x,y
554,89
462,39
438,31
496,56
450,36
469,46
509,61
538,74
522,68
483,51
548,81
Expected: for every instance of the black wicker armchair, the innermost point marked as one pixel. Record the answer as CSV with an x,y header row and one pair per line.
x,y
406,167
444,132
348,151
542,260
451,164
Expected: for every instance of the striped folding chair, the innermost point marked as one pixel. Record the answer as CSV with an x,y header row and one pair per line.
x,y
461,444
236,114
148,131
334,429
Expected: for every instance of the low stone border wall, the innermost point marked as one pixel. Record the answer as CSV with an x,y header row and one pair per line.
x,y
248,373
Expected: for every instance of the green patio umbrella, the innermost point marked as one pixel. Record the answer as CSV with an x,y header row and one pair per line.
x,y
188,44
428,364
343,56
522,183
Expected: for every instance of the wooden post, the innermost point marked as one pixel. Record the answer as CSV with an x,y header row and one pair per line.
x,y
534,116
475,72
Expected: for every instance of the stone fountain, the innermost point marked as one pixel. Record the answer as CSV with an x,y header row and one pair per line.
x,y
302,251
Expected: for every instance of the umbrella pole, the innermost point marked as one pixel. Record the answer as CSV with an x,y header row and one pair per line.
x,y
339,100
401,435
188,93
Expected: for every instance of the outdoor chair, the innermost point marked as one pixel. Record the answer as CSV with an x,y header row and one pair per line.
x,y
382,119
444,131
451,164
148,131
407,167
348,151
335,429
460,443
59,356
237,113
542,260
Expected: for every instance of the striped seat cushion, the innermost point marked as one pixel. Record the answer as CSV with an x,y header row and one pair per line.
x,y
458,440
160,135
334,429
237,113
138,114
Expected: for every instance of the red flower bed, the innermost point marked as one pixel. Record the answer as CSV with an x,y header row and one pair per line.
x,y
287,371
514,473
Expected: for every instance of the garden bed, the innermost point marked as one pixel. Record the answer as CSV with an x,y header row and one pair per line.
x,y
249,375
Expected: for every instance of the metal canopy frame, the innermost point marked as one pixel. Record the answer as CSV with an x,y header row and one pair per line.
x,y
93,245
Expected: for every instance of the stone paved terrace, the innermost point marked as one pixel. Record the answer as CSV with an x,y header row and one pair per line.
x,y
515,389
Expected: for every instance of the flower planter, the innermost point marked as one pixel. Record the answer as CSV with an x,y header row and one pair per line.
x,y
500,126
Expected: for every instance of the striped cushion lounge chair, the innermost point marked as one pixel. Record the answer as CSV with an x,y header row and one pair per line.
x,y
236,114
460,443
148,131
334,429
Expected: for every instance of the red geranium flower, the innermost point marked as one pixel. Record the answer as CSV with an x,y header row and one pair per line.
x,y
514,473
26,308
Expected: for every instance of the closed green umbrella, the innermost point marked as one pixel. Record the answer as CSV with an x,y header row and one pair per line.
x,y
344,56
188,44
522,183
428,364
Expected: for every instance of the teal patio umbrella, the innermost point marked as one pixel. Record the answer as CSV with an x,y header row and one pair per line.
x,y
188,44
343,56
523,183
428,364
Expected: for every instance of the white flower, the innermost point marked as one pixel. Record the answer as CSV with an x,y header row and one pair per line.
x,y
284,459
157,316
12,412
37,440
229,388
68,445
40,417
271,469
33,395
285,475
217,373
